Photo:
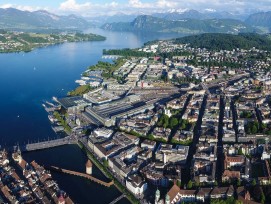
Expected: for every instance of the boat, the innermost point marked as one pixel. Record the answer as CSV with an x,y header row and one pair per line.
x,y
52,119
55,99
50,104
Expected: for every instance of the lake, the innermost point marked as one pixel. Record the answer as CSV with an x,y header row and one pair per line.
x,y
28,79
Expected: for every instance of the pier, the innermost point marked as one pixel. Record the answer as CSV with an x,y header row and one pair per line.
x,y
89,177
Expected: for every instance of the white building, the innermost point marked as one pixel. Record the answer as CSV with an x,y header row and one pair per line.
x,y
102,132
136,184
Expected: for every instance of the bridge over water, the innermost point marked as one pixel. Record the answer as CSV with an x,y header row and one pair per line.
x,y
45,144
87,176
118,199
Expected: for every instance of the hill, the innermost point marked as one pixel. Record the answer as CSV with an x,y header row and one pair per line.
x,y
219,41
262,19
15,19
188,26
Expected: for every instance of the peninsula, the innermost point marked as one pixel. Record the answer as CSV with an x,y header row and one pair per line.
x,y
25,42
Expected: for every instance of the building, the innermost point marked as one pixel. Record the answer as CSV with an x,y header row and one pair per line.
x,y
174,194
136,184
231,161
89,167
73,104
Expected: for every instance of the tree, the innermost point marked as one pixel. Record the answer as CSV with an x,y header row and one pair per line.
x,y
163,121
262,198
238,183
173,122
178,183
254,129
253,183
240,152
197,184
190,184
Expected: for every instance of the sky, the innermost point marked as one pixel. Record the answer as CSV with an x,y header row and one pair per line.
x,y
111,7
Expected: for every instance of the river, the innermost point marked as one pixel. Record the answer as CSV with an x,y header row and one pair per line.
x,y
28,79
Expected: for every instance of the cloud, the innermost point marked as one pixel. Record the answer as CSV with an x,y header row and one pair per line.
x,y
5,6
138,4
158,4
71,5
87,8
94,7
23,7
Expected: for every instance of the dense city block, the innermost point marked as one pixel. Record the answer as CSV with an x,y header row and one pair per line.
x,y
175,123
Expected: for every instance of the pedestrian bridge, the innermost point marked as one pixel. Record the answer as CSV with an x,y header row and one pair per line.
x,y
75,173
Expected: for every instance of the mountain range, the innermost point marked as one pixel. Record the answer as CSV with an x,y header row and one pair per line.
x,y
174,21
168,15
186,26
15,19
260,20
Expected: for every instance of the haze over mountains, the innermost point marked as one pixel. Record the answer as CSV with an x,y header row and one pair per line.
x,y
179,21
15,19
186,26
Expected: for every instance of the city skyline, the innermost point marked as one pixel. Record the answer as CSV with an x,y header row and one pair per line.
x,y
111,7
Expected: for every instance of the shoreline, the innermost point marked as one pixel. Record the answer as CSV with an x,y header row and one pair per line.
x,y
107,174
45,46
27,42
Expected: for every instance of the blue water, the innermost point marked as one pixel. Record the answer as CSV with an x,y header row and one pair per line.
x,y
28,79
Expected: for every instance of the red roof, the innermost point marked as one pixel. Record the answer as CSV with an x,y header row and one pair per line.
x,y
88,164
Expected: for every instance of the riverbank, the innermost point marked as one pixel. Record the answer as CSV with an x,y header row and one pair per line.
x,y
106,172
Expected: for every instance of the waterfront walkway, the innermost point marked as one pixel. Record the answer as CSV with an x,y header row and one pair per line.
x,y
75,173
118,199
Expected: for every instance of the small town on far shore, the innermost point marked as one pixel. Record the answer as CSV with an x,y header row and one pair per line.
x,y
169,123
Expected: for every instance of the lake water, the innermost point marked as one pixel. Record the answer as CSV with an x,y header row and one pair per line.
x,y
28,79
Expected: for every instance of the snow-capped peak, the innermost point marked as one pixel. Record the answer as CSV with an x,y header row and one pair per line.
x,y
209,10
178,10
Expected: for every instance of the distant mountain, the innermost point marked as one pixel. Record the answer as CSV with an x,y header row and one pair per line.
x,y
188,26
262,19
119,17
174,15
11,18
220,41
194,14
